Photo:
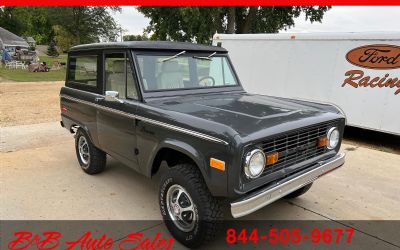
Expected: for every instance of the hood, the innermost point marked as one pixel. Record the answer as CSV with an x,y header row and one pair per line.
x,y
250,116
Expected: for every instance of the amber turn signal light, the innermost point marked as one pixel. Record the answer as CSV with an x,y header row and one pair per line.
x,y
218,164
272,158
322,142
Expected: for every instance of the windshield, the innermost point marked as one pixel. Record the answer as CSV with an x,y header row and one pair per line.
x,y
184,71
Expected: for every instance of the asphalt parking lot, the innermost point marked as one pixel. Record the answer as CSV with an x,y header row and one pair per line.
x,y
40,179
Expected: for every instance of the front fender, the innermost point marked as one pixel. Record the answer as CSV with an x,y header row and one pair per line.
x,y
181,147
216,180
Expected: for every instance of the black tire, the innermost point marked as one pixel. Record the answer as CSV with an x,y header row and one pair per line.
x,y
96,160
299,192
206,207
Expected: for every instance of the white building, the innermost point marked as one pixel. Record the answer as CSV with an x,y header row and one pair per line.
x,y
10,41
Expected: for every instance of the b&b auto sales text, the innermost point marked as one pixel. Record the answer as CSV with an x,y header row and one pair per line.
x,y
52,240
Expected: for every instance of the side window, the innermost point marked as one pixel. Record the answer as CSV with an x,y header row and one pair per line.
x,y
119,75
131,82
83,70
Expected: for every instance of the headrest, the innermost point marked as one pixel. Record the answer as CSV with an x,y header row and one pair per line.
x,y
118,66
170,66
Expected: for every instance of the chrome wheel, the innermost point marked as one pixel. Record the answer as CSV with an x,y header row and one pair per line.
x,y
181,208
83,148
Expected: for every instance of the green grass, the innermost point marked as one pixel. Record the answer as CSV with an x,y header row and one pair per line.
x,y
21,75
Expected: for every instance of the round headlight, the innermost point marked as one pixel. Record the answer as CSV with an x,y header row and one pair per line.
x,y
254,163
333,137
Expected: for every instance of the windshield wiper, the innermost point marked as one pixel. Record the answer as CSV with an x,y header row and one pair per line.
x,y
174,56
205,57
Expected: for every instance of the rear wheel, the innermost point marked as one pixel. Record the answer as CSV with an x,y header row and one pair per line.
x,y
190,212
91,159
299,192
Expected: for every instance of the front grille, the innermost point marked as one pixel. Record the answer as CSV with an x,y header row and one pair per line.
x,y
296,146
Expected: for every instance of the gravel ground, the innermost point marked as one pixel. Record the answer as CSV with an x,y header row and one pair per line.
x,y
29,102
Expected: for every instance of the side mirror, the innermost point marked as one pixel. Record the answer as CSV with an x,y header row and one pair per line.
x,y
112,96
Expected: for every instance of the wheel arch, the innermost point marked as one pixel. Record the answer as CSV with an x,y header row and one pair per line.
x,y
175,152
74,127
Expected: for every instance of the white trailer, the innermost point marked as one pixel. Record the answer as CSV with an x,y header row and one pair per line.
x,y
358,72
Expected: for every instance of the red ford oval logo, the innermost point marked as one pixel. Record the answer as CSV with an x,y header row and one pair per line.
x,y
376,56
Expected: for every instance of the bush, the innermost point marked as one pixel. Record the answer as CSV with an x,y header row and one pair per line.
x,y
52,50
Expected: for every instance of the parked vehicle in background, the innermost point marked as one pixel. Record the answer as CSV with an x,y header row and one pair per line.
x,y
147,102
358,72
26,56
38,67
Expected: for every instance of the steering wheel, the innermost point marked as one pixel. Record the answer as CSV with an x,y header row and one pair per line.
x,y
207,77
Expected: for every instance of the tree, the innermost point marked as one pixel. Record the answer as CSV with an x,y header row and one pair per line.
x,y
40,25
200,23
14,19
70,25
27,21
86,24
63,39
136,37
52,50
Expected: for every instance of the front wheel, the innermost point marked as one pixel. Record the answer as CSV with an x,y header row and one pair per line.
x,y
190,212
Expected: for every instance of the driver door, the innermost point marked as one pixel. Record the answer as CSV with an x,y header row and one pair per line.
x,y
115,120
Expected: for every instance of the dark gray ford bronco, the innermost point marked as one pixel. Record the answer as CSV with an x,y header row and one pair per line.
x,y
147,102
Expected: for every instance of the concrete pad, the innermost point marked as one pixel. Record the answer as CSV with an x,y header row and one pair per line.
x,y
47,183
40,178
32,136
63,191
366,188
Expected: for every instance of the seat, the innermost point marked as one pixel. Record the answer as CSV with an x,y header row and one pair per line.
x,y
116,78
171,76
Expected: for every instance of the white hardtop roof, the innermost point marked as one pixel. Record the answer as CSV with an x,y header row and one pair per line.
x,y
395,35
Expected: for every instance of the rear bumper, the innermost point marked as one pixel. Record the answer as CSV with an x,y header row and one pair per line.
x,y
259,199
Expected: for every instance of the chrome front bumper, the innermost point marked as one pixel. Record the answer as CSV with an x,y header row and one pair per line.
x,y
268,195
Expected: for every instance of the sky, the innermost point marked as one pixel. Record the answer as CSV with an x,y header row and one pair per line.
x,y
338,19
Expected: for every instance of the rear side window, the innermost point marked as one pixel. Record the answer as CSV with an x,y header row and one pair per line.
x,y
83,70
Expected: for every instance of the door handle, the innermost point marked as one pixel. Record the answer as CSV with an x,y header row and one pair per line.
x,y
98,99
